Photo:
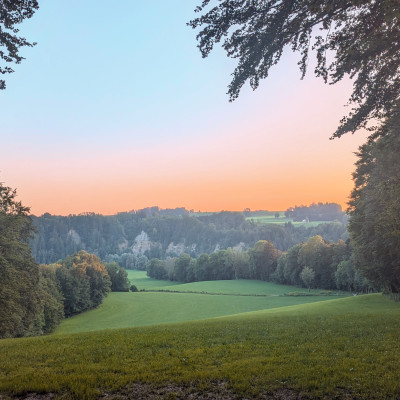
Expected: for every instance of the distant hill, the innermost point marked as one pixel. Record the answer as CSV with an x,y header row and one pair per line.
x,y
131,238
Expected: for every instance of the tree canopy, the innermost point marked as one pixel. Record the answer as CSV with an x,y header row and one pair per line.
x,y
355,38
375,207
20,309
13,12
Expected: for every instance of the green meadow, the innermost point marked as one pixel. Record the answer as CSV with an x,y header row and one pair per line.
x,y
171,302
238,286
271,219
339,348
124,310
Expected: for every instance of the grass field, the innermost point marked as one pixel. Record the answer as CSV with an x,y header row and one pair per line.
x,y
237,286
340,348
270,219
124,310
142,281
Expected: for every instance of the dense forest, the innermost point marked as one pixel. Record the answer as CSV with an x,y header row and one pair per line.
x,y
132,238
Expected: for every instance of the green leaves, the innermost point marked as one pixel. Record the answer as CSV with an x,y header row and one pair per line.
x,y
362,36
375,207
13,12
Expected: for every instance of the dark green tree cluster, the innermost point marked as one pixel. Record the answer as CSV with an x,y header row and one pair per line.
x,y
118,276
330,265
375,207
52,299
31,302
21,312
315,263
257,263
84,282
316,212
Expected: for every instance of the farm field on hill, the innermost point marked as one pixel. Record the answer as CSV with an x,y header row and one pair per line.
x,y
270,219
342,348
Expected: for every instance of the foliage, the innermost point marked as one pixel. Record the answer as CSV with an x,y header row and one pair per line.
x,y
346,348
20,303
263,258
307,276
133,288
264,262
118,276
51,299
112,237
84,282
374,223
360,39
316,212
13,13
331,263
156,269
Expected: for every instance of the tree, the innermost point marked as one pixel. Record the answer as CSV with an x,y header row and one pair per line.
x,y
51,299
307,276
118,276
20,308
318,255
360,39
13,13
84,282
374,223
263,260
181,267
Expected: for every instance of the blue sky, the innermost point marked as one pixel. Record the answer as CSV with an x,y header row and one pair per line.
x,y
121,94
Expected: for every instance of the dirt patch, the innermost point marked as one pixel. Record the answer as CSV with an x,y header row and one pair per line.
x,y
171,391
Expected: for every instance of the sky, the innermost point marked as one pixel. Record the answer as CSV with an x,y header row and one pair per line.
x,y
114,109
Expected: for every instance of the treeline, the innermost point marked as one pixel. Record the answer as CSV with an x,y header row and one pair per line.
x,y
132,238
315,263
71,286
34,298
316,212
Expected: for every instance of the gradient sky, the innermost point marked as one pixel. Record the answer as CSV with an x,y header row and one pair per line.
x,y
115,110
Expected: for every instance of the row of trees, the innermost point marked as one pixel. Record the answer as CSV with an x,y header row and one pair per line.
x,y
316,212
314,263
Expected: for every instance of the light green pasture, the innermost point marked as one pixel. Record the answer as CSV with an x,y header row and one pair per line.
x,y
237,286
124,310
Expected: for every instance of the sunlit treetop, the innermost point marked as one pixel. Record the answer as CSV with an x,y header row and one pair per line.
x,y
356,38
13,12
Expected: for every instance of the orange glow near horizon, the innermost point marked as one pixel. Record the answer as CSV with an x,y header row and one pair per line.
x,y
230,175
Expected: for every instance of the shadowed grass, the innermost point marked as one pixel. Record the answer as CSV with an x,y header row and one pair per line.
x,y
338,348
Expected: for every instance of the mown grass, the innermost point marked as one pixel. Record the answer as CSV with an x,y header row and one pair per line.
x,y
142,281
341,348
124,310
237,286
